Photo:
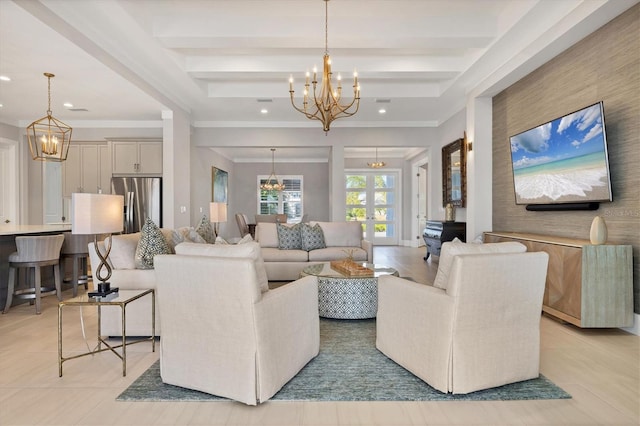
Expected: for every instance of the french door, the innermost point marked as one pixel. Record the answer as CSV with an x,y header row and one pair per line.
x,y
372,198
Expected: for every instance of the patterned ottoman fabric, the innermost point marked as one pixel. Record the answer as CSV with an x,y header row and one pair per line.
x,y
348,298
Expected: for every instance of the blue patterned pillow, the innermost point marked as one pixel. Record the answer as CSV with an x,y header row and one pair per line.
x,y
312,237
289,237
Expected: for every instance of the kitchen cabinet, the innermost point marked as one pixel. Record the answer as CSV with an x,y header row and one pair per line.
x,y
87,169
137,157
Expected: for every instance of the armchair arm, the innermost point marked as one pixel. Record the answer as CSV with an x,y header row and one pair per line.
x,y
414,328
288,333
368,247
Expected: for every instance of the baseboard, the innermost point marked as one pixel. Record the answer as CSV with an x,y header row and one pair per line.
x,y
635,328
409,243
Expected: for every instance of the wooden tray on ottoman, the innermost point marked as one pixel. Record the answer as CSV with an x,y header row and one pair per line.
x,y
351,268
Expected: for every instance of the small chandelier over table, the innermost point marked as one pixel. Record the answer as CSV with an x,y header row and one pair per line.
x,y
49,138
272,183
377,164
326,106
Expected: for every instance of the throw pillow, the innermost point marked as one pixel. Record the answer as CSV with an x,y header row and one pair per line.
x,y
205,230
186,235
220,240
312,237
246,239
152,242
289,237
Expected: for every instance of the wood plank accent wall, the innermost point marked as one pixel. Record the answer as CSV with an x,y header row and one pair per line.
x,y
604,66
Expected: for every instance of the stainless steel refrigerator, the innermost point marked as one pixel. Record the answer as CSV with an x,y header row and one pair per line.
x,y
142,200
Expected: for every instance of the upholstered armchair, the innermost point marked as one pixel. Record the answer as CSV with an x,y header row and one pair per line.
x,y
481,331
224,332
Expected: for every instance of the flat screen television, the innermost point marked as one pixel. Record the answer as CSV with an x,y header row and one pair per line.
x,y
563,161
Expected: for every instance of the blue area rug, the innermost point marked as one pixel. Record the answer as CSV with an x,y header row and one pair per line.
x,y
348,368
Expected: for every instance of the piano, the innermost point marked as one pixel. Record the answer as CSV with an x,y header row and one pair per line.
x,y
437,232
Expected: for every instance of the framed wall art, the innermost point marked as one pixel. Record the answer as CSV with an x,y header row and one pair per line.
x,y
219,185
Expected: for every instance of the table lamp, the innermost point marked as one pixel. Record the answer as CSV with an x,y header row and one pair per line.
x,y
98,214
217,214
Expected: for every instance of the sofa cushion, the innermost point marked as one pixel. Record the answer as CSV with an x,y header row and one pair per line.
x,y
186,234
341,234
272,254
249,250
312,237
337,253
267,234
205,230
450,249
289,236
151,243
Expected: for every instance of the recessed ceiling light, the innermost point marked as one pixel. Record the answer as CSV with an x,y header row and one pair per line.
x,y
68,104
1,105
264,111
382,111
4,78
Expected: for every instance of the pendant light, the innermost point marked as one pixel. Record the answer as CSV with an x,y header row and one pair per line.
x,y
49,138
272,183
377,164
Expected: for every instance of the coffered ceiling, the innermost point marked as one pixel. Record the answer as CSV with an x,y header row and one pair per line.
x,y
122,62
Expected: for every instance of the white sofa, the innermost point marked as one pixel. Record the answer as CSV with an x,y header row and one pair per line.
x,y
478,329
223,332
341,239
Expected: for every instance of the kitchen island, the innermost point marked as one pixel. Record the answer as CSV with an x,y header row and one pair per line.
x,y
8,234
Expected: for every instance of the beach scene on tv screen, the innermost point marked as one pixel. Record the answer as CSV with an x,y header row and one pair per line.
x,y
562,161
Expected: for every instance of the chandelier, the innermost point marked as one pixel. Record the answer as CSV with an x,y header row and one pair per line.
x,y
49,138
377,164
325,104
272,183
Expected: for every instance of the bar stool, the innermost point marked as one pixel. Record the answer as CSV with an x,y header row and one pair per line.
x,y
35,252
76,247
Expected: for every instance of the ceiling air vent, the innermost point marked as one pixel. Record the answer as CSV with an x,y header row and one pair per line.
x,y
265,100
383,101
78,109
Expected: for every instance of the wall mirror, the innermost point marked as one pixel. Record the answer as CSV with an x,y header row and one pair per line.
x,y
454,174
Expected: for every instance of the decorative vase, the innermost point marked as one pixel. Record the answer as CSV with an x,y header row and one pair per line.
x,y
450,213
598,233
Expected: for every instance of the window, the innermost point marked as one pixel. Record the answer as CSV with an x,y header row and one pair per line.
x,y
288,201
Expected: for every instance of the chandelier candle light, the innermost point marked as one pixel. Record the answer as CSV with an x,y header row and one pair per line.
x,y
49,138
272,183
326,101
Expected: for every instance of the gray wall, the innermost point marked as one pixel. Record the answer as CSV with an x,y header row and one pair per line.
x,y
605,66
315,187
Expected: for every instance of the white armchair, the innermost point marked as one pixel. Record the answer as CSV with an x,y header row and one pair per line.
x,y
481,331
222,333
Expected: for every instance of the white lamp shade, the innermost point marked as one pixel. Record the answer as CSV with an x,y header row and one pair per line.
x,y
96,213
218,212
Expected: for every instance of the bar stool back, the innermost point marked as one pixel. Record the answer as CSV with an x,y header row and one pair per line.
x,y
75,247
35,252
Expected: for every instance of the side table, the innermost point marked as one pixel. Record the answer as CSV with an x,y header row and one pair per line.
x,y
121,299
